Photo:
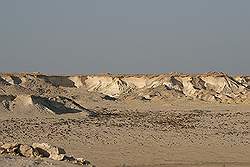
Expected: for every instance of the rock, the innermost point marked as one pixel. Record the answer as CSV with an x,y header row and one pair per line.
x,y
27,151
80,160
84,162
87,163
11,147
69,158
2,150
42,150
146,97
58,157
49,151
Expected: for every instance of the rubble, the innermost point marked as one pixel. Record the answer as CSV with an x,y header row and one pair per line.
x,y
42,150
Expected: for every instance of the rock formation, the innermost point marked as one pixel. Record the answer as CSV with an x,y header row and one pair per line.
x,y
42,150
58,94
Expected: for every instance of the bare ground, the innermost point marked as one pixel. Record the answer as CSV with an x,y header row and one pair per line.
x,y
156,138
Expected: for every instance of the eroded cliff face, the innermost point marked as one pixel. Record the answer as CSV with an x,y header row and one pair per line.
x,y
208,87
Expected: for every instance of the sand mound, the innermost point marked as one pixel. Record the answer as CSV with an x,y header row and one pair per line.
x,y
59,105
32,104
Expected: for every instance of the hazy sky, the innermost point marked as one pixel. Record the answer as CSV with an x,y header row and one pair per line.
x,y
128,36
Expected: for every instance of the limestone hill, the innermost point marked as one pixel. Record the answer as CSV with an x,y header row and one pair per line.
x,y
61,94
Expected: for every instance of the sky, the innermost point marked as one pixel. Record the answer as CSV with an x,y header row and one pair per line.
x,y
125,36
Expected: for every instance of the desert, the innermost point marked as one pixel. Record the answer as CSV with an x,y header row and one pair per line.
x,y
118,120
124,83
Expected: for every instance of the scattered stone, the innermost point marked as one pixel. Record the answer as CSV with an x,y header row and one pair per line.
x,y
42,150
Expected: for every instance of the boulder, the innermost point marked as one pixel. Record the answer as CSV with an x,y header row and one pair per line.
x,y
42,150
58,157
84,162
52,152
27,151
2,150
69,158
11,147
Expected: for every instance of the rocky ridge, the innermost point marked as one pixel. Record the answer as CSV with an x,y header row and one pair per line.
x,y
213,87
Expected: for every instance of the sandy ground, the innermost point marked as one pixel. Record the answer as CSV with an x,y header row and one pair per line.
x,y
11,161
215,136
